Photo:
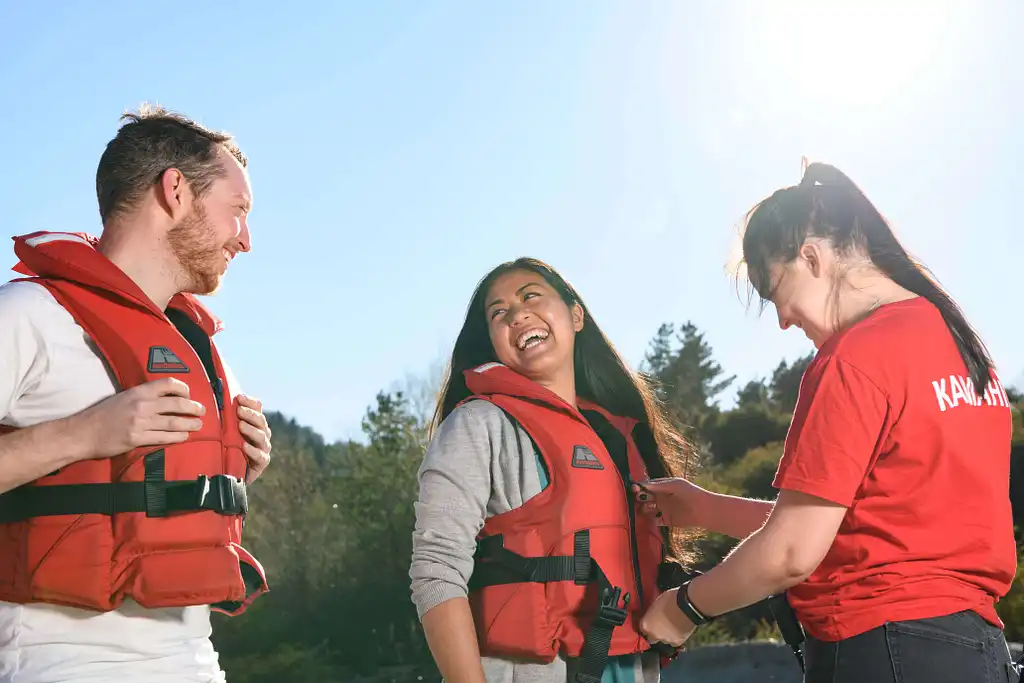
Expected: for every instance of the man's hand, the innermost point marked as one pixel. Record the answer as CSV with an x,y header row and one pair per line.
x,y
156,413
256,431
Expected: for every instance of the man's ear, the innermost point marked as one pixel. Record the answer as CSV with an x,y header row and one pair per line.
x,y
174,194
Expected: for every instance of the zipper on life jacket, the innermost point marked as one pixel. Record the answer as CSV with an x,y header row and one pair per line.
x,y
202,347
618,449
628,483
218,392
215,383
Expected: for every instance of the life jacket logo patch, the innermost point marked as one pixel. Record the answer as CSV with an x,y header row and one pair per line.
x,y
163,360
584,458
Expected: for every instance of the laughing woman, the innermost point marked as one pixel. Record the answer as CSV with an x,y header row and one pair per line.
x,y
530,561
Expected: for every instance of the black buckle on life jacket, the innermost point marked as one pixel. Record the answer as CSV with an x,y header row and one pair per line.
x,y
221,493
609,614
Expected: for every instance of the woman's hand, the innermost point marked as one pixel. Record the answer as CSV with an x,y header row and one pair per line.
x,y
675,501
664,622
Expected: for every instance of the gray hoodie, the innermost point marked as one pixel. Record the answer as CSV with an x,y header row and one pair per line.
x,y
478,465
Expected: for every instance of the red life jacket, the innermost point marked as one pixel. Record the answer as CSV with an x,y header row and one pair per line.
x,y
159,525
550,575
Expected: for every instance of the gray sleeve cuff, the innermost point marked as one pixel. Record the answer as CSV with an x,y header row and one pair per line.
x,y
432,593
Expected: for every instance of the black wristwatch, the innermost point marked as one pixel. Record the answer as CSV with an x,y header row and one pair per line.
x,y
688,608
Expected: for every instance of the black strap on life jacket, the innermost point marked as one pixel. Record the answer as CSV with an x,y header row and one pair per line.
x,y
155,496
789,626
497,565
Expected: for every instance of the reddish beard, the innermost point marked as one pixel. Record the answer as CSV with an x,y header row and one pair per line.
x,y
199,257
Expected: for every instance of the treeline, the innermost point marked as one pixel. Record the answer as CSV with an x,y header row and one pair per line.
x,y
332,523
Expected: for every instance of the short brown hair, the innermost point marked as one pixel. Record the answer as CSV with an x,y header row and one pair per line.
x,y
152,141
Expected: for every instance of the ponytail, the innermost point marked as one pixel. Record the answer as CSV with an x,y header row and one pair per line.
x,y
828,204
830,189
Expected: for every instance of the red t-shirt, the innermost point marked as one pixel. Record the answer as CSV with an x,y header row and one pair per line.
x,y
887,424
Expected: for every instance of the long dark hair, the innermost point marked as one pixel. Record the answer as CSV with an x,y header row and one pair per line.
x,y
601,375
827,204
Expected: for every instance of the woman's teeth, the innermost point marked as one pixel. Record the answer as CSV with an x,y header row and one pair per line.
x,y
531,338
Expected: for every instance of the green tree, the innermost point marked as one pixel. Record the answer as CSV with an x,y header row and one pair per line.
x,y
378,621
753,394
1011,607
784,388
660,351
332,525
688,378
752,475
297,534
732,434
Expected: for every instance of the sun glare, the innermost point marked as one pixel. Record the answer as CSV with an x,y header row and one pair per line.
x,y
845,52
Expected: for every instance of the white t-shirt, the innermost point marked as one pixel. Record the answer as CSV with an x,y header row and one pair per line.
x,y
49,370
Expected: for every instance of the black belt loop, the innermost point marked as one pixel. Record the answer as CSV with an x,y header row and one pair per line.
x,y
156,496
581,557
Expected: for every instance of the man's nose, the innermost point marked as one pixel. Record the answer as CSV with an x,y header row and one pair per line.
x,y
244,238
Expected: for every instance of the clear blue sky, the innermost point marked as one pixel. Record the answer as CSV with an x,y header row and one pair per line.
x,y
400,149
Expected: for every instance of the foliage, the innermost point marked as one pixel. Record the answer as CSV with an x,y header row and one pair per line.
x,y
689,379
334,534
332,523
1011,607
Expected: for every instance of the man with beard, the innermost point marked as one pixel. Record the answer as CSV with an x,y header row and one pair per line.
x,y
174,199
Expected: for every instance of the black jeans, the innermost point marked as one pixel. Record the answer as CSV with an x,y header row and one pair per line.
x,y
959,648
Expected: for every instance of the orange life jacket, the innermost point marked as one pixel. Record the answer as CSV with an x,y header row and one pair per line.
x,y
574,568
159,525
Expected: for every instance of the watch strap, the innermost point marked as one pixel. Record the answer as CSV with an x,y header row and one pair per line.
x,y
689,609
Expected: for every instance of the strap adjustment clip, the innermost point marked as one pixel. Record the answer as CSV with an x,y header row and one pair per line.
x,y
609,614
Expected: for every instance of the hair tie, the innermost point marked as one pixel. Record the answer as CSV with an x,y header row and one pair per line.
x,y
805,179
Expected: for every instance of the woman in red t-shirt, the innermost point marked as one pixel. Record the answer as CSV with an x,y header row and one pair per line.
x,y
892,532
